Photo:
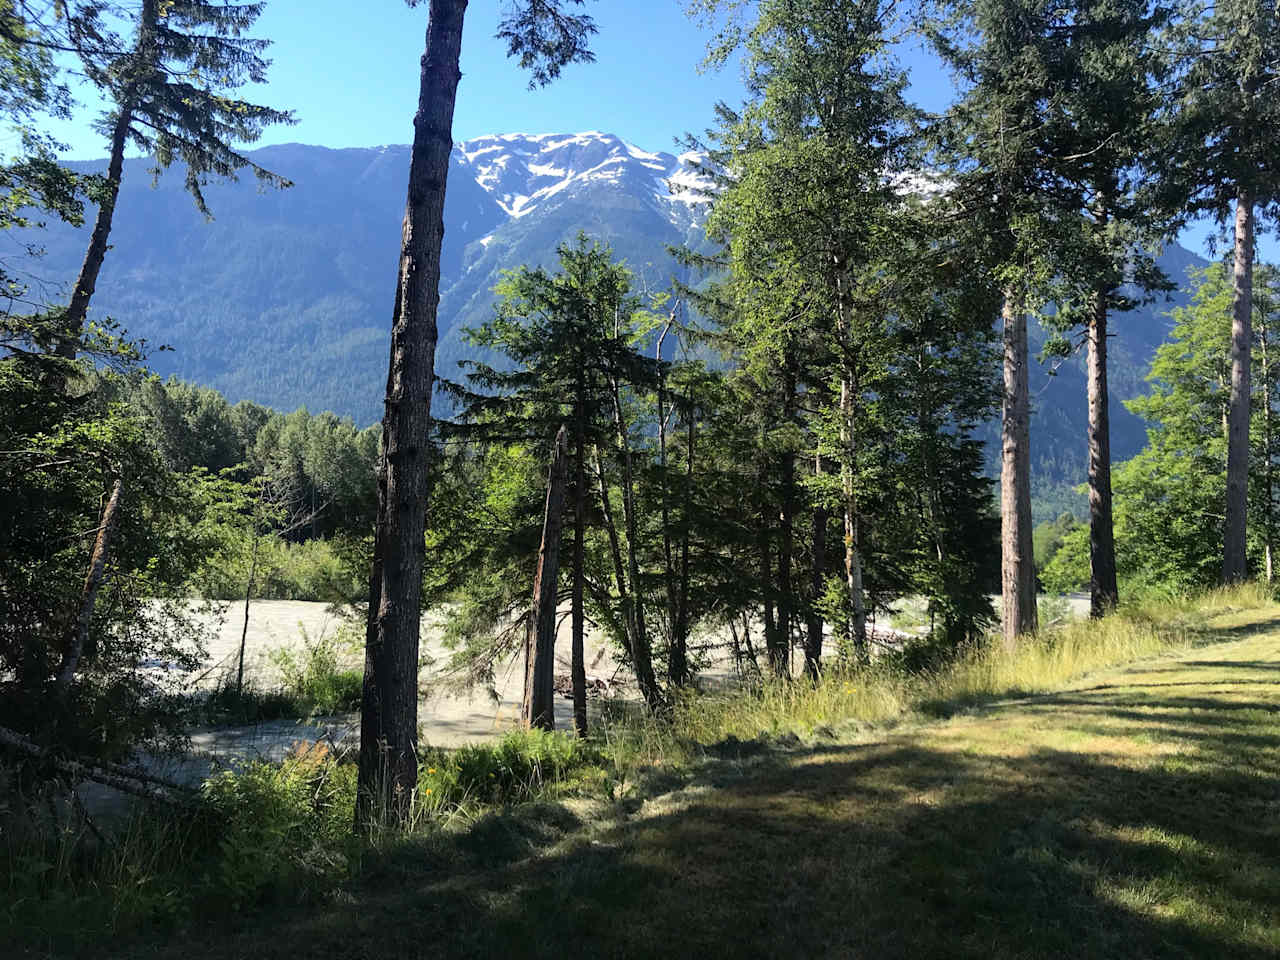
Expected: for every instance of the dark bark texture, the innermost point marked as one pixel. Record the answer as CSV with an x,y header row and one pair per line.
x,y
1018,575
540,646
87,280
1104,594
389,711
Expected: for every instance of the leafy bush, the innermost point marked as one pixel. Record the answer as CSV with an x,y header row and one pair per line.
x,y
280,826
60,459
521,766
319,679
312,570
1068,569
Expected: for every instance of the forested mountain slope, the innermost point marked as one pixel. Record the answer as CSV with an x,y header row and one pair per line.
x,y
285,297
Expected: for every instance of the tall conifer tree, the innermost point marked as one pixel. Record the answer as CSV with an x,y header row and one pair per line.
x,y
1220,158
1104,116
173,89
1001,136
813,155
544,38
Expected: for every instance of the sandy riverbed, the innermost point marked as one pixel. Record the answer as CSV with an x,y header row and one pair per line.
x,y
448,716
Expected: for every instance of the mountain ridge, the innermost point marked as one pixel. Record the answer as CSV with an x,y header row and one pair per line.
x,y
284,297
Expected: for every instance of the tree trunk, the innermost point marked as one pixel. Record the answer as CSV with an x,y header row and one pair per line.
x,y
389,710
1018,575
781,654
1269,465
577,654
248,587
87,280
813,646
615,554
781,661
646,679
79,633
677,665
538,709
248,595
682,602
856,628
1234,562
641,652
1103,591
764,544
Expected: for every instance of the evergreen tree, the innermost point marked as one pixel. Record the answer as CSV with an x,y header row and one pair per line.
x,y
1003,139
174,94
545,39
1219,155
1107,110
1169,516
804,219
566,342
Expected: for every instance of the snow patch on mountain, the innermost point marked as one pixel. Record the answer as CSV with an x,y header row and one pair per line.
x,y
523,172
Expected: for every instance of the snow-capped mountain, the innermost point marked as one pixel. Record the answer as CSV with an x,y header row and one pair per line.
x,y
523,171
285,297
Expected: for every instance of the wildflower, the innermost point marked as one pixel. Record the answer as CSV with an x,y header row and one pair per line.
x,y
428,791
431,769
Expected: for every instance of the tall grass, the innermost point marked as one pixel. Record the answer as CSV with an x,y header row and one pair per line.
x,y
259,834
321,677
268,831
882,695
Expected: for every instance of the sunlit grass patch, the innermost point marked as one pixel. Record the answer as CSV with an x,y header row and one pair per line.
x,y
1108,789
881,695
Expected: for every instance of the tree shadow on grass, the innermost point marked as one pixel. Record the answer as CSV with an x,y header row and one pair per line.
x,y
979,839
1207,634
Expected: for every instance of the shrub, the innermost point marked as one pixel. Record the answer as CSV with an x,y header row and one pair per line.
x,y
311,570
521,766
280,826
318,678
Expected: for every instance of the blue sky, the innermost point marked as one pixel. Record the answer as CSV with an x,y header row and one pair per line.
x,y
352,79
351,76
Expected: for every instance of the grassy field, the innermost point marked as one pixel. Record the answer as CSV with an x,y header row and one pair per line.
x,y
1134,812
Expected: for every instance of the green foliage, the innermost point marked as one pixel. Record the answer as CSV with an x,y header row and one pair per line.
x,y
312,570
61,455
1068,567
1215,141
320,467
568,356
176,83
1062,554
1169,498
1047,538
855,337
279,827
319,679
520,767
280,833
545,38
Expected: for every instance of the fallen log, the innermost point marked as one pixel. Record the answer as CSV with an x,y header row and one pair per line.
x,y
117,776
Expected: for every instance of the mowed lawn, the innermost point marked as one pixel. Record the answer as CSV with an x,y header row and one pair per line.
x,y
1133,814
